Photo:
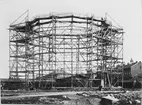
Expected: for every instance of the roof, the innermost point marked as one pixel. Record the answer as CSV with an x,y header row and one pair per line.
x,y
129,65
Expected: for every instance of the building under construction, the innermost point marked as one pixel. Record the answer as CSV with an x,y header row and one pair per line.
x,y
56,47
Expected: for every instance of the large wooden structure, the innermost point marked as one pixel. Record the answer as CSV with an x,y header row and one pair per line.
x,y
59,43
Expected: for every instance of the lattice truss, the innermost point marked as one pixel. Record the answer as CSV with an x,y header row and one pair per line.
x,y
64,43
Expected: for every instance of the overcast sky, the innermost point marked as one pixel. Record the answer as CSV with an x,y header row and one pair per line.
x,y
128,13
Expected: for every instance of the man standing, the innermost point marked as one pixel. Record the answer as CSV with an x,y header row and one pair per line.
x,y
134,83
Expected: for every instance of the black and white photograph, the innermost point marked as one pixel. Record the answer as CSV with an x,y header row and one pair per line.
x,y
71,52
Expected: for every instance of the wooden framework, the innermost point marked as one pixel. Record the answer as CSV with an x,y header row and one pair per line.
x,y
64,44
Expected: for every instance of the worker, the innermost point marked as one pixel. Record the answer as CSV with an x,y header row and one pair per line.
x,y
134,83
100,87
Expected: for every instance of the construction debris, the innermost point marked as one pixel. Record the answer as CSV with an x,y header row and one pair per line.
x,y
108,100
77,98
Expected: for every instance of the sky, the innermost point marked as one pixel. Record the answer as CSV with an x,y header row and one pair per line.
x,y
127,13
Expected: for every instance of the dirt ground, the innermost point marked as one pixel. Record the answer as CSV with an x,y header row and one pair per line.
x,y
69,97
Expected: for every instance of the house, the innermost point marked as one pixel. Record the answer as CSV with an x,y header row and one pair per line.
x,y
136,71
132,71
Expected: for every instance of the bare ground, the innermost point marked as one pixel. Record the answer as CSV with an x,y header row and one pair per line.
x,y
68,97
